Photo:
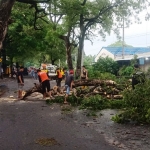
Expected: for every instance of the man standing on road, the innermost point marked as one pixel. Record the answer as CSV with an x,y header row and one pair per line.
x,y
20,80
59,77
44,80
68,85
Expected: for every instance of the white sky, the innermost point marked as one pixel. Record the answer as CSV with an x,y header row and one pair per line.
x,y
137,35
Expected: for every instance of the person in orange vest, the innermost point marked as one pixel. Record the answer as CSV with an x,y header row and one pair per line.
x,y
44,80
44,69
59,77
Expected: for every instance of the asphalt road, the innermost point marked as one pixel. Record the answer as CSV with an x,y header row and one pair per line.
x,y
33,125
22,123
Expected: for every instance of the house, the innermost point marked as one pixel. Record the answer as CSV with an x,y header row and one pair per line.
x,y
124,55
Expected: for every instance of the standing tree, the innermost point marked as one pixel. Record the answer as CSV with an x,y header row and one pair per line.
x,y
5,11
22,41
102,16
86,16
62,27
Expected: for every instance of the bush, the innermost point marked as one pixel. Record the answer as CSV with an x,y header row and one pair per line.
x,y
137,103
94,102
106,65
126,71
99,103
103,76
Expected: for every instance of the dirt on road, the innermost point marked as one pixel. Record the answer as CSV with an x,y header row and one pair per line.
x,y
25,123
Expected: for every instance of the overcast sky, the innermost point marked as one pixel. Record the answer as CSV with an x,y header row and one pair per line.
x,y
137,35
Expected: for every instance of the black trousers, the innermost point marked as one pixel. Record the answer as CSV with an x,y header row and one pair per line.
x,y
59,82
45,85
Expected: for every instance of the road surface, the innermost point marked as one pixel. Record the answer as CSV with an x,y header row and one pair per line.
x,y
24,125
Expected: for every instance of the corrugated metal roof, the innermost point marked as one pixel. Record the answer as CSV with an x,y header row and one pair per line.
x,y
117,51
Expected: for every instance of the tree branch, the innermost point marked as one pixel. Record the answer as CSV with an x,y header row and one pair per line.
x,y
33,1
84,2
102,11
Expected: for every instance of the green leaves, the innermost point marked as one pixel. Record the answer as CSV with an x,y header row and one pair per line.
x,y
106,65
137,103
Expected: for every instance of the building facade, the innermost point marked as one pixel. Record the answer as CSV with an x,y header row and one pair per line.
x,y
125,54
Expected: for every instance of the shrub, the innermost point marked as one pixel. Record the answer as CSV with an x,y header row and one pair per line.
x,y
137,103
126,71
103,76
94,102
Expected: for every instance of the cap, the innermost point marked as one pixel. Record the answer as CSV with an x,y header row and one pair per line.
x,y
71,72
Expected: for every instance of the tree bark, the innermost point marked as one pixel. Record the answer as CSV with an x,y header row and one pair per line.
x,y
68,50
94,82
105,88
81,44
4,60
5,11
69,57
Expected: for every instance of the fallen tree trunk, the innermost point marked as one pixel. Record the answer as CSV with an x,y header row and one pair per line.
x,y
83,88
94,82
36,88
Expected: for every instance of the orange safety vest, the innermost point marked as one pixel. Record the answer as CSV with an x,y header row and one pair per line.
x,y
59,74
43,76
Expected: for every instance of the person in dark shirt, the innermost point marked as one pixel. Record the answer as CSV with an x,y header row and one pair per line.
x,y
68,85
20,81
138,76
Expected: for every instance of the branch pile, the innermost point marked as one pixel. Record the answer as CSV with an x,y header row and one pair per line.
x,y
85,88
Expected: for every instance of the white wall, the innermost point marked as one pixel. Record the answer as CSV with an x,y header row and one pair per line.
x,y
104,53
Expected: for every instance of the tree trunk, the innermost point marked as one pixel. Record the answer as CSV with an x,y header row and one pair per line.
x,y
68,50
53,61
105,88
81,44
80,50
5,11
4,60
69,57
93,82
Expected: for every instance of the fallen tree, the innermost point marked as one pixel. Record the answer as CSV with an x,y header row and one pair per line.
x,y
84,88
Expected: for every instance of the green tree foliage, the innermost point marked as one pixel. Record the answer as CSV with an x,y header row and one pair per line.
x,y
23,41
100,15
106,65
126,70
119,44
137,103
88,60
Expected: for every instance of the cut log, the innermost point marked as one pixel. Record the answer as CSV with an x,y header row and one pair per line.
x,y
106,88
94,82
36,88
117,96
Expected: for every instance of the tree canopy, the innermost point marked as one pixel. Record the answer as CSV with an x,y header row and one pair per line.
x,y
119,44
75,20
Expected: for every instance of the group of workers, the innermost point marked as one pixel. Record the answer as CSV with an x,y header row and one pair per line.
x,y
45,80
137,77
